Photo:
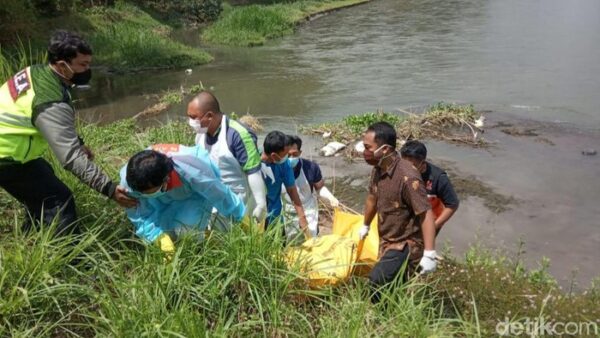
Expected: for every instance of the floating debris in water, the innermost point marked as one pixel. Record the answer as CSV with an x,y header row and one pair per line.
x,y
359,147
589,152
443,121
331,149
252,122
479,122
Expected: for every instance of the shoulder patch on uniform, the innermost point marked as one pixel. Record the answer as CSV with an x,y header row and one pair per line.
x,y
19,84
166,148
415,185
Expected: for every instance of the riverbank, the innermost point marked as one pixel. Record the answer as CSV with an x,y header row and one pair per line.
x,y
124,38
238,284
128,38
253,25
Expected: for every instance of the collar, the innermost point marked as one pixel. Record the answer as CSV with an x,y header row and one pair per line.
x,y
391,168
221,126
427,173
60,79
174,180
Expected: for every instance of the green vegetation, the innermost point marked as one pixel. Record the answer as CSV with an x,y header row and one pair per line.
x,y
443,121
107,283
127,38
169,98
501,287
124,38
357,124
255,24
21,57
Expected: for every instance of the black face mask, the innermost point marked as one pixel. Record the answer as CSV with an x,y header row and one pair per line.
x,y
83,78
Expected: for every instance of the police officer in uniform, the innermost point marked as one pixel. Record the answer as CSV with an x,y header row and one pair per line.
x,y
36,113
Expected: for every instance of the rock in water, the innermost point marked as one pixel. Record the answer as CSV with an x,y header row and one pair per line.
x,y
331,148
589,152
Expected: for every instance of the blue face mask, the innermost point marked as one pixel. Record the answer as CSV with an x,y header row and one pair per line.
x,y
156,194
283,160
294,161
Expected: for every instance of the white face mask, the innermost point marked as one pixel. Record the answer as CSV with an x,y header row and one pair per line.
x,y
197,126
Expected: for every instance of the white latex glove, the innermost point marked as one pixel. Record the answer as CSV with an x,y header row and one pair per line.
x,y
363,232
259,213
325,194
428,263
257,186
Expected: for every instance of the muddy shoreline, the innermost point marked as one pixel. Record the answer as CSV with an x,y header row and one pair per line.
x,y
529,188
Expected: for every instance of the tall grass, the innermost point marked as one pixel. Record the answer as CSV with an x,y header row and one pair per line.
x,y
18,57
255,24
127,38
107,283
124,38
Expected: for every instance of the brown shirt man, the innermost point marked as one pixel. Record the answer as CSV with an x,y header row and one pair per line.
x,y
401,196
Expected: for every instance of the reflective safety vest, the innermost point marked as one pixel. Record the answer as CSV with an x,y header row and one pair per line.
x,y
20,140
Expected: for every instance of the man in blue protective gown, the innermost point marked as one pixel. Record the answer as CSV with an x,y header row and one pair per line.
x,y
177,187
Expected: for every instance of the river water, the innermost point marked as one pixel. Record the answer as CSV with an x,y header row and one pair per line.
x,y
531,63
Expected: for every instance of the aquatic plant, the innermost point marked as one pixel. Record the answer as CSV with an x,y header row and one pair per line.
x,y
255,24
443,121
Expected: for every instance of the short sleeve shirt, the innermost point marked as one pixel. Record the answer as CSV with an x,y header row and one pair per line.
x,y
438,184
242,144
312,171
275,175
401,198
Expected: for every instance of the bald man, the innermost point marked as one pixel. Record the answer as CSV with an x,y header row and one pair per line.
x,y
232,146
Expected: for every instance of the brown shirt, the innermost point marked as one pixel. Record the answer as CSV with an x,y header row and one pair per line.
x,y
401,198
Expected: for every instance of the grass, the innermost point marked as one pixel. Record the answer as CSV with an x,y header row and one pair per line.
x,y
18,58
255,24
169,98
106,282
442,121
124,38
128,38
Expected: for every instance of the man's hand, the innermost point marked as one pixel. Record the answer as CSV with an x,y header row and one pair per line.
x,y
334,202
428,263
363,232
325,194
120,196
88,152
304,226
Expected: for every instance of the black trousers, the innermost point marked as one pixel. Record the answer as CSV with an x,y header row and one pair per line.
x,y
44,196
386,270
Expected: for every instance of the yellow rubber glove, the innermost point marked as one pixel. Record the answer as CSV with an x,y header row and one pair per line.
x,y
166,245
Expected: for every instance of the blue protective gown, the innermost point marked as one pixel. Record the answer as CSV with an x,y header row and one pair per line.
x,y
188,203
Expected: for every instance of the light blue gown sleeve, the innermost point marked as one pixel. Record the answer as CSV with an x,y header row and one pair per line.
x,y
145,216
205,179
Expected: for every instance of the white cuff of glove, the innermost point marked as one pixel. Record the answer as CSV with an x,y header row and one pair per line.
x,y
363,231
257,186
324,193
